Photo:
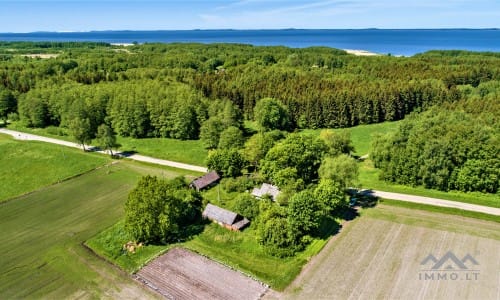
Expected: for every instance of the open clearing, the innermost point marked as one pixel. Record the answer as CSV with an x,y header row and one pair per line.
x,y
182,274
379,256
42,233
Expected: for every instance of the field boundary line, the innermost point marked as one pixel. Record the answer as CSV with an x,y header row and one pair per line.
x,y
58,182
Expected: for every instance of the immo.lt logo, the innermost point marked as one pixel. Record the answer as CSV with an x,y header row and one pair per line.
x,y
449,267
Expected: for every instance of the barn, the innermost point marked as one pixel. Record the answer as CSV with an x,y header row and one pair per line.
x,y
205,181
224,217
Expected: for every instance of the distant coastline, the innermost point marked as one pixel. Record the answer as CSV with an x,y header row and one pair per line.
x,y
405,42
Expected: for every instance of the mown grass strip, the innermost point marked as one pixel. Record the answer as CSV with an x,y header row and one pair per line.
x,y
439,209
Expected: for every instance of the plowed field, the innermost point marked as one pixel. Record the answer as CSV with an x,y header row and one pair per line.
x,y
182,274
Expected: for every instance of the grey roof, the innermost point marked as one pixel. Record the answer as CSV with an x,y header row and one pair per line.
x,y
268,189
219,214
205,180
241,224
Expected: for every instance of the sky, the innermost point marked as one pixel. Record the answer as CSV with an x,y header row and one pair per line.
x,y
77,15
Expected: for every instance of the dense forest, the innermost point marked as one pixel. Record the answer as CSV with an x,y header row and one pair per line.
x,y
198,91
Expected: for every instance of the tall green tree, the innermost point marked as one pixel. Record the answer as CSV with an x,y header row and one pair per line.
x,y
304,213
271,114
297,153
210,132
81,131
227,162
231,137
156,211
342,169
106,138
8,104
338,142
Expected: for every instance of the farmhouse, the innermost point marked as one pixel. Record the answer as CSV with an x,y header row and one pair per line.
x,y
224,217
266,189
205,181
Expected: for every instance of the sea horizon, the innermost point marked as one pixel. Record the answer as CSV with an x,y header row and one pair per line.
x,y
405,42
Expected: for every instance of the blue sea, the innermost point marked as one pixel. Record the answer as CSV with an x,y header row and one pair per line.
x,y
394,41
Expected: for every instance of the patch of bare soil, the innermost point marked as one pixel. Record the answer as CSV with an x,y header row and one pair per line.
x,y
386,259
182,274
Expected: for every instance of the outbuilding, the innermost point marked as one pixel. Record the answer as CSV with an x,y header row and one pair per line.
x,y
205,181
266,189
225,218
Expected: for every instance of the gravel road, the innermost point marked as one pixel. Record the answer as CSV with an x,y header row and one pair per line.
x,y
393,196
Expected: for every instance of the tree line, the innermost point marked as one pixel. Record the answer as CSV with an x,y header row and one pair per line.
x,y
450,147
136,88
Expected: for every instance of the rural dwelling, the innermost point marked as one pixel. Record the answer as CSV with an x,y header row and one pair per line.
x,y
224,217
205,181
266,189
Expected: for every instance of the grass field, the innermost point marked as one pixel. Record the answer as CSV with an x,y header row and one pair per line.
x,y
42,235
189,152
362,135
27,166
380,255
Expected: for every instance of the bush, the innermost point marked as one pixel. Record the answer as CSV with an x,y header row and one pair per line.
x,y
238,184
247,206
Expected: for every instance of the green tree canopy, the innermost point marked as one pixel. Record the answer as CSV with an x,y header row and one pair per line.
x,y
297,153
271,114
342,169
106,138
231,137
338,142
227,162
81,131
304,213
8,103
331,195
156,210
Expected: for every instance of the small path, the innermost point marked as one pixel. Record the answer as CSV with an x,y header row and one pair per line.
x,y
32,137
393,196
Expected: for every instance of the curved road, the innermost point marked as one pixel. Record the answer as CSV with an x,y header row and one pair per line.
x,y
32,137
393,196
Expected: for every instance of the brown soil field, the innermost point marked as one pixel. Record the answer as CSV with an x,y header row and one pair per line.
x,y
380,255
182,274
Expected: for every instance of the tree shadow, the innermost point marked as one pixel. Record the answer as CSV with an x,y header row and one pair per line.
x,y
125,154
362,198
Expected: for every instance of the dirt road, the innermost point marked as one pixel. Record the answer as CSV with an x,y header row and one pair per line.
x,y
386,195
32,137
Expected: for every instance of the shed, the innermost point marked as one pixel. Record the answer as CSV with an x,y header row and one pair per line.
x,y
224,217
266,189
205,181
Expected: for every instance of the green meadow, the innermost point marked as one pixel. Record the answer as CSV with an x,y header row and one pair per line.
x,y
42,236
27,166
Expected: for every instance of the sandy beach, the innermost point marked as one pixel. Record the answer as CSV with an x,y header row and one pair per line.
x,y
361,52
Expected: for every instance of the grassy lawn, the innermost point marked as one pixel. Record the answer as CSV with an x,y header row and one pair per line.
x,y
362,135
444,210
239,250
190,152
42,233
27,166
